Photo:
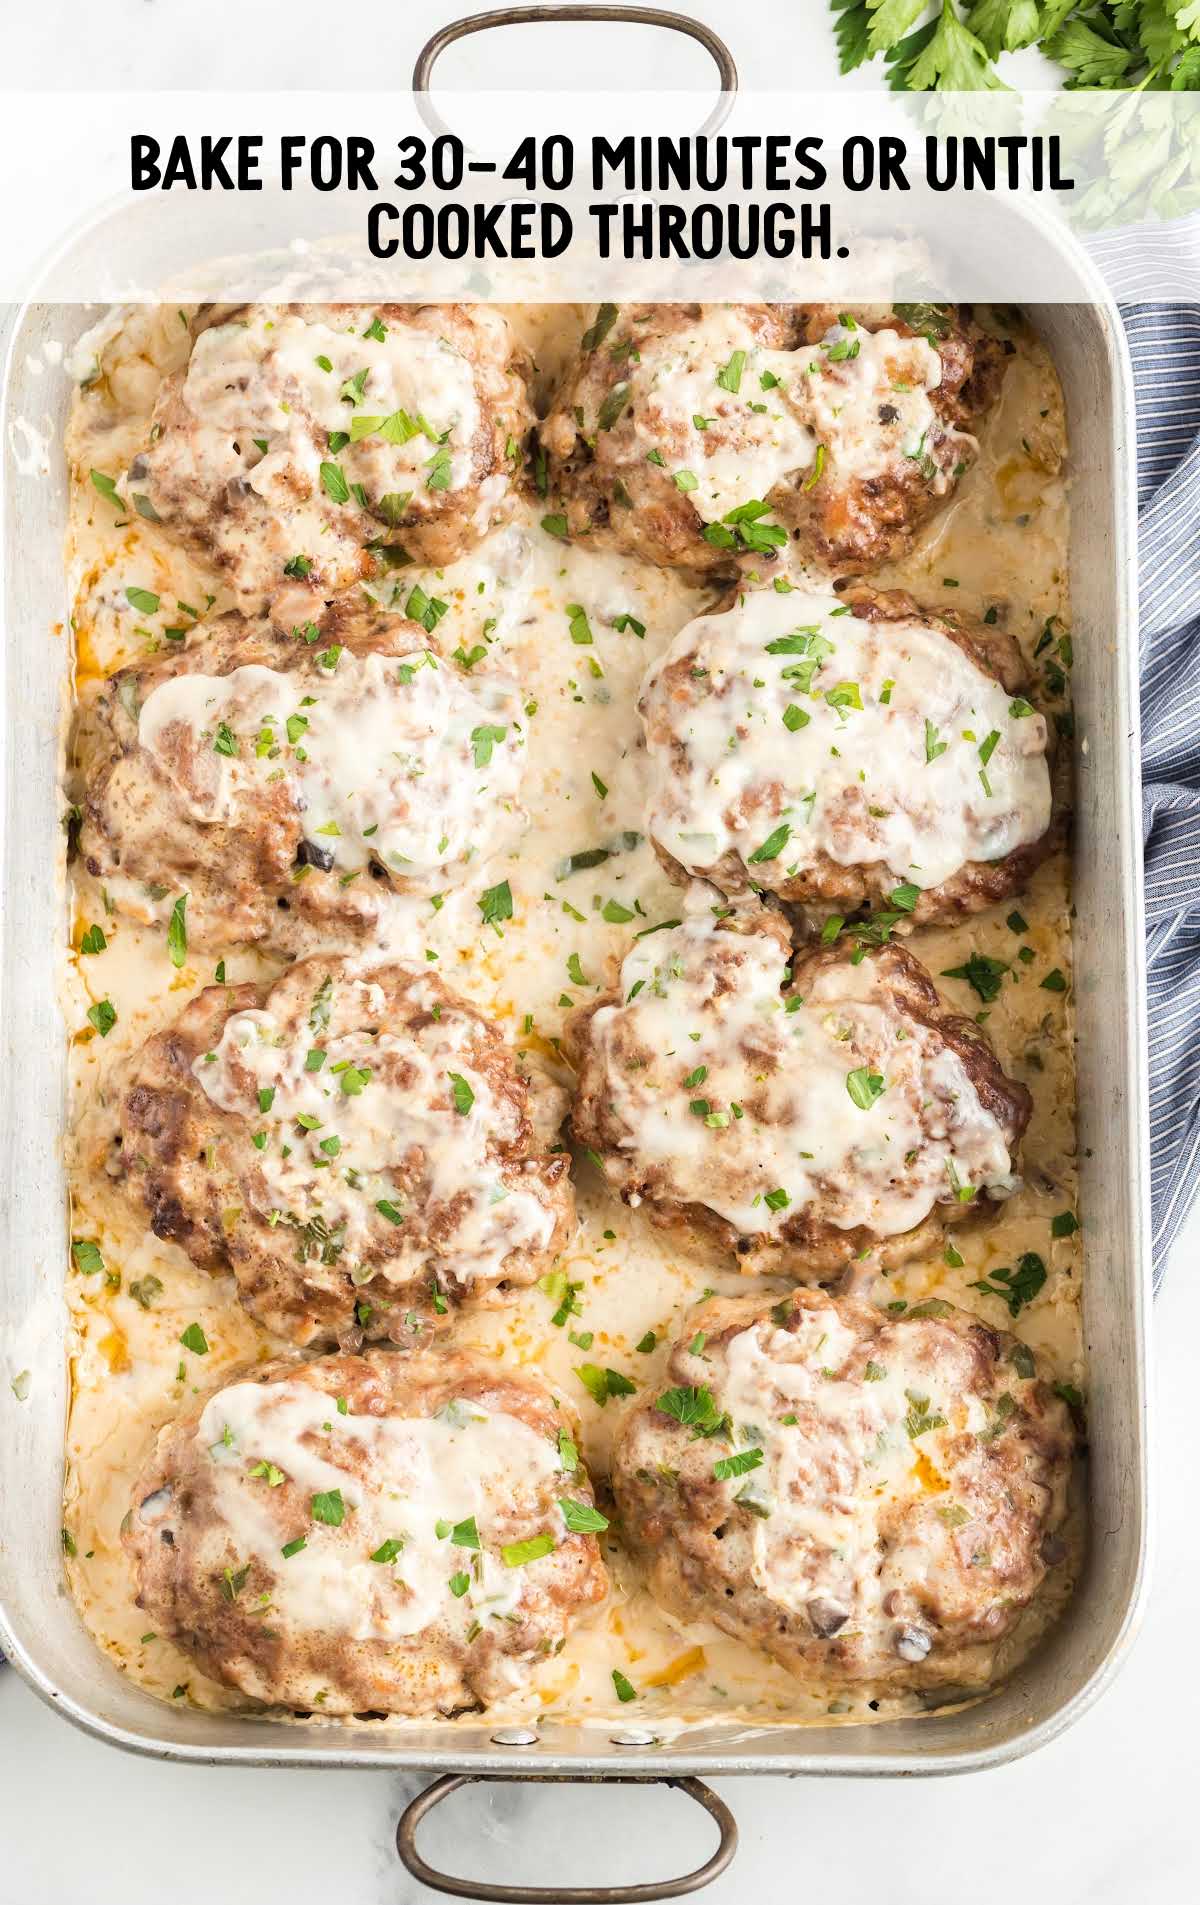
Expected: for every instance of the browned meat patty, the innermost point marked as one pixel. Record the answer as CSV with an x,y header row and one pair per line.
x,y
696,435
800,1110
869,1498
354,1143
300,436
368,1534
831,748
291,785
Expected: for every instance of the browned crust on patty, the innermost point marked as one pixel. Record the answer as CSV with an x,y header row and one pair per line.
x,y
847,527
805,1245
188,1162
431,537
694,1543
243,878
181,1583
826,886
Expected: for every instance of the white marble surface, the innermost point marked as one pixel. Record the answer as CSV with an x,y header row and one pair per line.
x,y
1104,1815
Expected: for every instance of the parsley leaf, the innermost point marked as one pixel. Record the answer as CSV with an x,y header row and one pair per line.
x,y
1018,1286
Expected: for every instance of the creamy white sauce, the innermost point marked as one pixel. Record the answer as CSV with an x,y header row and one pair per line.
x,y
335,1128
746,1106
398,1479
874,743
398,759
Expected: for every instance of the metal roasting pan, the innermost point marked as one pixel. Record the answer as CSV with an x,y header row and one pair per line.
x,y
40,1631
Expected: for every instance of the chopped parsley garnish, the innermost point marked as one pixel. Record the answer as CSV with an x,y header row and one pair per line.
x,y
329,1507
811,481
483,740
496,904
89,1259
580,627
772,846
581,1518
982,973
334,483
388,1550
143,600
103,1016
613,404
461,1093
729,377
462,1534
624,1688
744,524
425,609
518,1554
600,327
603,1383
920,1420
739,1464
177,931
267,1472
107,488
193,1338
693,1408
1018,1286
864,1087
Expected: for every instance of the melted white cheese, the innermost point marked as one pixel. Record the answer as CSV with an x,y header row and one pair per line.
x,y
338,1163
745,1106
398,1479
875,743
727,446
398,759
264,377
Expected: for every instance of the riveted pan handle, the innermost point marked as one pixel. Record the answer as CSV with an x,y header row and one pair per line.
x,y
696,30
415,1865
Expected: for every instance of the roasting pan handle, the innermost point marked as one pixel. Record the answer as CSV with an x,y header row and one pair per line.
x,y
414,1864
696,30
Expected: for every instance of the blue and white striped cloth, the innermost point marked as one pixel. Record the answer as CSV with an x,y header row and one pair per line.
x,y
1164,342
